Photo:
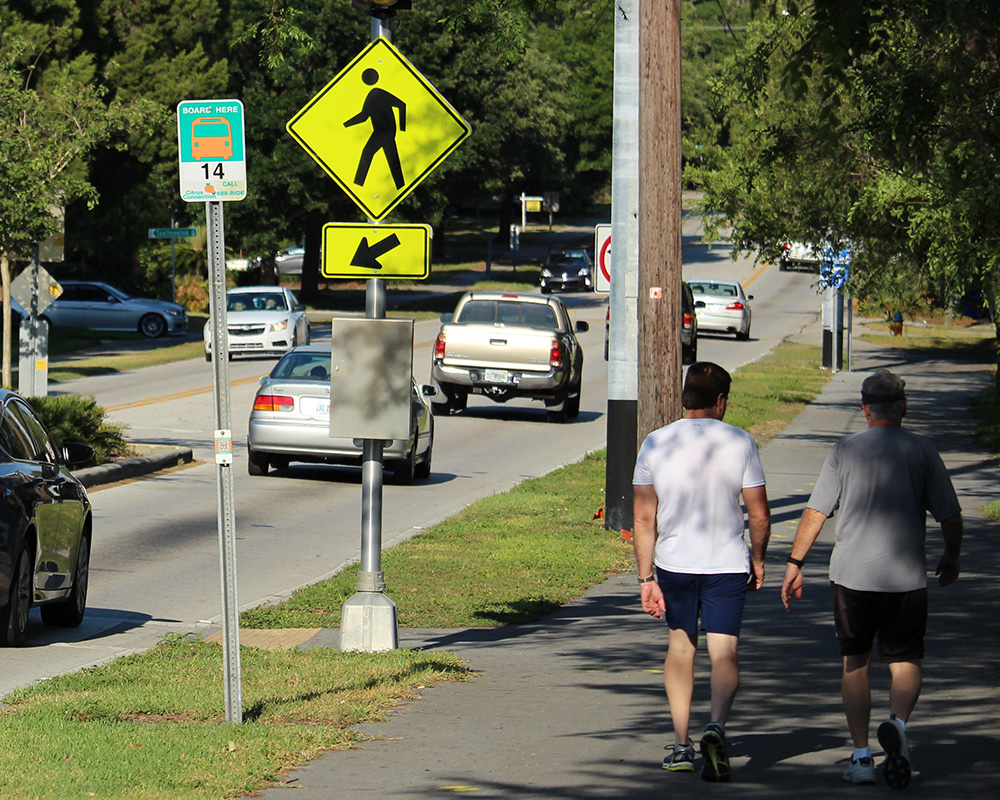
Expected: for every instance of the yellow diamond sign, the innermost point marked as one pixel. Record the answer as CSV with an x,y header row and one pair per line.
x,y
378,128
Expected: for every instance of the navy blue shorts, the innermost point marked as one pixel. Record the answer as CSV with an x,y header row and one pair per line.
x,y
718,599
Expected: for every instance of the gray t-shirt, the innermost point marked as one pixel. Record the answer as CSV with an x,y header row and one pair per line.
x,y
883,480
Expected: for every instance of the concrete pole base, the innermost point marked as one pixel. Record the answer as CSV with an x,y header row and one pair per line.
x,y
368,623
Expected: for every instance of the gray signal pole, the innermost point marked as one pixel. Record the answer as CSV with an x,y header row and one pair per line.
x,y
623,320
368,620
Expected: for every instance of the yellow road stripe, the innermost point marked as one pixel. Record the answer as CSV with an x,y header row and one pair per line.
x,y
201,390
754,277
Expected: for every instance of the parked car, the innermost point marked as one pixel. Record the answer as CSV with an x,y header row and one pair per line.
x,y
567,270
721,306
689,327
45,527
290,421
262,320
289,260
100,307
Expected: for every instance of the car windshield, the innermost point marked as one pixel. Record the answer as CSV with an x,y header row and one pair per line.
x,y
493,312
568,257
303,367
256,301
715,289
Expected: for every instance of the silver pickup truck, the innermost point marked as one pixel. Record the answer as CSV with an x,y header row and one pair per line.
x,y
504,345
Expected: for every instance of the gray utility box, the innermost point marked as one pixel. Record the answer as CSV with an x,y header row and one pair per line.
x,y
370,385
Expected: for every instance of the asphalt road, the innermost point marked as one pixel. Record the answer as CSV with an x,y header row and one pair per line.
x,y
155,567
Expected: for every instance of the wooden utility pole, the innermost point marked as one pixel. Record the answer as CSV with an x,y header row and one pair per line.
x,y
659,350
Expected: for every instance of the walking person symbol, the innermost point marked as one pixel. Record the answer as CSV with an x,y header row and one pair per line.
x,y
378,107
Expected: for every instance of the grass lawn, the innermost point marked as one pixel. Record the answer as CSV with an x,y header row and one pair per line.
x,y
149,725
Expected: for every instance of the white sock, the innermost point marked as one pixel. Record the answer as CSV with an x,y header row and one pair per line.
x,y
901,722
860,753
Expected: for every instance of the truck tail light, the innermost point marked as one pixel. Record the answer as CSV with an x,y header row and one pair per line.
x,y
439,347
555,354
737,306
687,320
273,402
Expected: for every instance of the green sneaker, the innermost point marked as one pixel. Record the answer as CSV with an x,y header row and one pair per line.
x,y
713,747
680,759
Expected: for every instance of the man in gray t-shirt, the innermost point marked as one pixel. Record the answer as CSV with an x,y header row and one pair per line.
x,y
882,482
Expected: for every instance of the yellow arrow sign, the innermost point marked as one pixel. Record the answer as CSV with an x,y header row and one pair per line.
x,y
378,128
376,251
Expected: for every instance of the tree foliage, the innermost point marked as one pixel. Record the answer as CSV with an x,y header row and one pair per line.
x,y
875,124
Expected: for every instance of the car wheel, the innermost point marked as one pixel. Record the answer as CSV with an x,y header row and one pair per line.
x,y
69,613
14,615
423,469
208,356
153,326
256,463
279,462
558,410
743,336
459,401
782,265
404,472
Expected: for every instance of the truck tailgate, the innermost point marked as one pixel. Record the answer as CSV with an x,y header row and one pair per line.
x,y
502,346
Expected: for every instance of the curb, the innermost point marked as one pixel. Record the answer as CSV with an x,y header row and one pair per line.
x,y
134,467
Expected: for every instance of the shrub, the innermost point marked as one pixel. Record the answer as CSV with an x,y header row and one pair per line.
x,y
192,293
72,418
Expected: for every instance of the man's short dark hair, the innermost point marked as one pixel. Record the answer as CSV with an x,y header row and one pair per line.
x,y
884,392
704,383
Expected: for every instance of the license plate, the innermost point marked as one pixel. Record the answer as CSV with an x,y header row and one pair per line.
x,y
315,407
496,376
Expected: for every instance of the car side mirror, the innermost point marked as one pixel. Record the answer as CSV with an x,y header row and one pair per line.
x,y
582,327
113,299
699,303
263,379
749,297
77,454
427,390
300,307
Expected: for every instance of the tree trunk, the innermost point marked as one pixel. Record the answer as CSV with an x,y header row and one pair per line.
x,y
310,261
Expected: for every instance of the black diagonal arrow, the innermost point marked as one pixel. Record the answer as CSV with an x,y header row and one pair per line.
x,y
367,256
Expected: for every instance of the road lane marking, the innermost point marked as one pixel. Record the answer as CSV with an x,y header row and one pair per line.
x,y
202,390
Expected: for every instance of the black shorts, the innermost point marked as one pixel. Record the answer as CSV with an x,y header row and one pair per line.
x,y
899,619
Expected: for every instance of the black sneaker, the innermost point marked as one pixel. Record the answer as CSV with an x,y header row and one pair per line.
x,y
713,748
680,759
896,767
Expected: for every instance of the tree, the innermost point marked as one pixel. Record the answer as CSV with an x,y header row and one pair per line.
x,y
872,124
50,123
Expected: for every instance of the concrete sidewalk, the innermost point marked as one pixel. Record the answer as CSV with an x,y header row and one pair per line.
x,y
573,707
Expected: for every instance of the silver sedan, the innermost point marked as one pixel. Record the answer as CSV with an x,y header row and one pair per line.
x,y
726,306
290,421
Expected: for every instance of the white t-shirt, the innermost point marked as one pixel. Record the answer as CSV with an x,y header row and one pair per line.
x,y
698,468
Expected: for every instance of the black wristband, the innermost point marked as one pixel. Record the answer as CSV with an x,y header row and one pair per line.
x,y
796,561
650,579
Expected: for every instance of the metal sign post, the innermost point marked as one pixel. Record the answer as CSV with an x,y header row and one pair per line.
x,y
210,147
224,462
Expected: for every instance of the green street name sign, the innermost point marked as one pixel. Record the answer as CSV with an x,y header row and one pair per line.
x,y
172,233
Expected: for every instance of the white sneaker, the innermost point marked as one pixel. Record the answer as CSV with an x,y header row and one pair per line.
x,y
860,770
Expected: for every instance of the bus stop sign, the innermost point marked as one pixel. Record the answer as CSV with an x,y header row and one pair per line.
x,y
211,149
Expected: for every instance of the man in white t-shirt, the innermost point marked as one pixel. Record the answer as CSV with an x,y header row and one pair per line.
x,y
691,553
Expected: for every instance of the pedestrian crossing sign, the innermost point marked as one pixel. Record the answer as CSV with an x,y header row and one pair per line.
x,y
378,128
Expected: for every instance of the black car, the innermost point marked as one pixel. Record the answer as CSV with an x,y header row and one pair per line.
x,y
689,327
45,524
567,270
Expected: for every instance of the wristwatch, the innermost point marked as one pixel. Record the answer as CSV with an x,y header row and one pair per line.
x,y
798,562
650,579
